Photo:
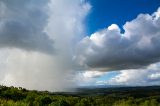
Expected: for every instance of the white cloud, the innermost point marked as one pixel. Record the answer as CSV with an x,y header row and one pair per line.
x,y
109,49
113,27
86,78
136,77
129,77
92,74
155,75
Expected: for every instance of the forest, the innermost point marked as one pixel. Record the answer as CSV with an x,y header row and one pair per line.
x,y
113,96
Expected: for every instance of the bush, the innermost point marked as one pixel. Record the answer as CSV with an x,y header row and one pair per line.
x,y
46,100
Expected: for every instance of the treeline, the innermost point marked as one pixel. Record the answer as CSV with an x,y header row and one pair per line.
x,y
13,96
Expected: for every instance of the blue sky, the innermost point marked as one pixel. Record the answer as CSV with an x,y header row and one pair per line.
x,y
106,12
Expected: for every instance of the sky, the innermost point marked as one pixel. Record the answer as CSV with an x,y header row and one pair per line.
x,y
104,13
58,45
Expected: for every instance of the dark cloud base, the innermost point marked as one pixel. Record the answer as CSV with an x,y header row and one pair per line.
x,y
22,25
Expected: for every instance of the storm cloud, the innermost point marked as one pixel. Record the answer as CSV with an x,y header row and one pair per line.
x,y
37,42
109,49
22,25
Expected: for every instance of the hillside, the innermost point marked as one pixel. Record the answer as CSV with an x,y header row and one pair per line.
x,y
118,96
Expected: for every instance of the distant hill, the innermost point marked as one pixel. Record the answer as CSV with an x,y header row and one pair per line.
x,y
141,91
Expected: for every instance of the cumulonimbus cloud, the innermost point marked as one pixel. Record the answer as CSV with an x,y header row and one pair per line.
x,y
33,25
109,49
